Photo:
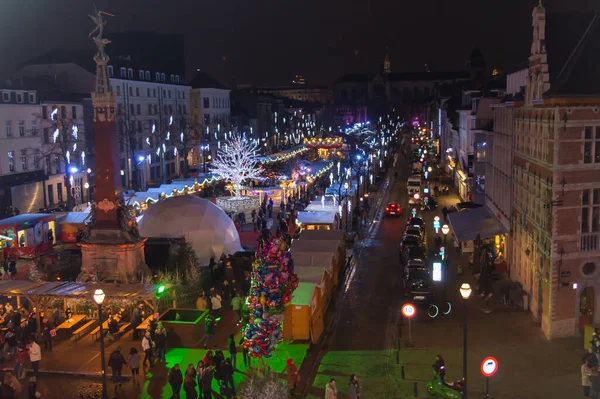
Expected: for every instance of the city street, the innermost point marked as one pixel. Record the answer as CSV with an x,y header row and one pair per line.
x,y
363,335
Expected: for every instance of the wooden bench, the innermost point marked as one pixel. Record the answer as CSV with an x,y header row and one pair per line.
x,y
95,333
77,333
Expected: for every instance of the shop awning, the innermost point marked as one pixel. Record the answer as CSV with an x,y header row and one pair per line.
x,y
467,224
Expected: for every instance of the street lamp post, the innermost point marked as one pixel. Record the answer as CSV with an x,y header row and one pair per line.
x,y
465,293
99,298
348,214
445,231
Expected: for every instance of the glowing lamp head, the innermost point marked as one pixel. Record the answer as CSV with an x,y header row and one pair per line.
x,y
346,185
416,196
437,218
141,158
430,169
86,185
73,169
445,229
99,296
89,170
465,291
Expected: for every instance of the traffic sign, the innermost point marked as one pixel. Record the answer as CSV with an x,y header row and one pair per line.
x,y
489,366
409,310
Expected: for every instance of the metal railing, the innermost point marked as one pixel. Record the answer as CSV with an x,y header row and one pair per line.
x,y
589,242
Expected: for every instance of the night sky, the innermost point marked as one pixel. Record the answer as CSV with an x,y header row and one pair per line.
x,y
267,41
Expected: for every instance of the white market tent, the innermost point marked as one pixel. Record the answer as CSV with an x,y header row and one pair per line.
x,y
317,218
204,225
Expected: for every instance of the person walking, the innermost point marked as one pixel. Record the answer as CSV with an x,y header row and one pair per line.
x,y
208,359
439,367
586,373
354,387
236,306
232,350
147,345
445,214
245,356
133,362
219,359
209,331
331,390
175,381
217,304
116,362
160,343
291,374
189,386
35,356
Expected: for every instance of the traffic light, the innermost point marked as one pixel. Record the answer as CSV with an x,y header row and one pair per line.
x,y
160,290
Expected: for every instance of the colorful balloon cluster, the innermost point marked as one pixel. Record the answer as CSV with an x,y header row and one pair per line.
x,y
273,282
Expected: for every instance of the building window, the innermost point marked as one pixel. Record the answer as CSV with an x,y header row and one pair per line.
x,y
8,128
184,109
34,127
591,145
19,98
176,78
63,111
590,211
155,109
57,166
129,73
206,119
74,112
48,164
170,109
11,161
588,269
141,75
110,71
137,91
481,152
118,90
169,93
119,109
172,78
154,93
139,109
148,92
130,91
59,191
123,72
157,76
22,128
5,96
36,160
183,95
147,75
149,109
206,102
24,159
162,77
31,98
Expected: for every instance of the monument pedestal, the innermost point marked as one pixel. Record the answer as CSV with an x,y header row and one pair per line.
x,y
113,256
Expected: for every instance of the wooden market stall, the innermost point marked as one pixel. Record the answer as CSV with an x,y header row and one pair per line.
x,y
317,220
71,224
303,319
334,238
321,253
27,235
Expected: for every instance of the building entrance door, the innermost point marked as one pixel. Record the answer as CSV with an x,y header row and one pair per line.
x,y
586,308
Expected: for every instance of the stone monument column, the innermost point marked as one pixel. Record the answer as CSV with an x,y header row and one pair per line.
x,y
113,250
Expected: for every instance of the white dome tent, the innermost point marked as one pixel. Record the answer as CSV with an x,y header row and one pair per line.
x,y
203,224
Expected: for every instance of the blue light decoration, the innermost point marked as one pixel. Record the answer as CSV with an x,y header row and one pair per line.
x,y
426,175
426,190
414,212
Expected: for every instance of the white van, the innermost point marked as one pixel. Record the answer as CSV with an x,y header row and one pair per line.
x,y
413,185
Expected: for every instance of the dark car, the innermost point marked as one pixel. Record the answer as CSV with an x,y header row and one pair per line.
x,y
418,284
418,222
414,231
392,209
407,242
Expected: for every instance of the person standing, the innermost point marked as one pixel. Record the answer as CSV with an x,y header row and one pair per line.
x,y
136,320
232,350
35,355
227,375
160,343
439,367
189,386
236,305
133,362
445,214
116,362
175,380
209,331
331,390
292,374
207,377
147,345
586,373
354,387
20,359
47,332
595,380
216,304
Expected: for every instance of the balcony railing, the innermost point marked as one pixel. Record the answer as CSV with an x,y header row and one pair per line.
x,y
589,242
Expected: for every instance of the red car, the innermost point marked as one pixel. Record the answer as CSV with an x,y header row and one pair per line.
x,y
392,209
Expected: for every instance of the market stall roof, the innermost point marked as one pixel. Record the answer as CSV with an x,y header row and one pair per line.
x,y
466,225
317,206
16,287
303,294
73,217
336,189
86,290
20,220
316,217
322,235
310,274
312,246
322,261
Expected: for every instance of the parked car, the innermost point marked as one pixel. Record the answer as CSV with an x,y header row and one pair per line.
x,y
414,231
418,284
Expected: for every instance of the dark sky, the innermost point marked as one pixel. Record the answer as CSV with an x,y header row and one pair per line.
x,y
268,41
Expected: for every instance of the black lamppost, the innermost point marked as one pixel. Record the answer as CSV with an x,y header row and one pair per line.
x,y
99,298
465,293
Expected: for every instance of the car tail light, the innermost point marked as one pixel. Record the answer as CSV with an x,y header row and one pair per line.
x,y
387,209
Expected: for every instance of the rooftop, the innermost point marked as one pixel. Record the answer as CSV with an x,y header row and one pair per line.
x,y
204,81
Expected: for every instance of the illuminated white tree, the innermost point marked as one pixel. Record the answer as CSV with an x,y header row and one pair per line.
x,y
236,163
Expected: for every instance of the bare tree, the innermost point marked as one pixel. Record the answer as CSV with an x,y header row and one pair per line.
x,y
63,141
236,162
189,137
129,142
